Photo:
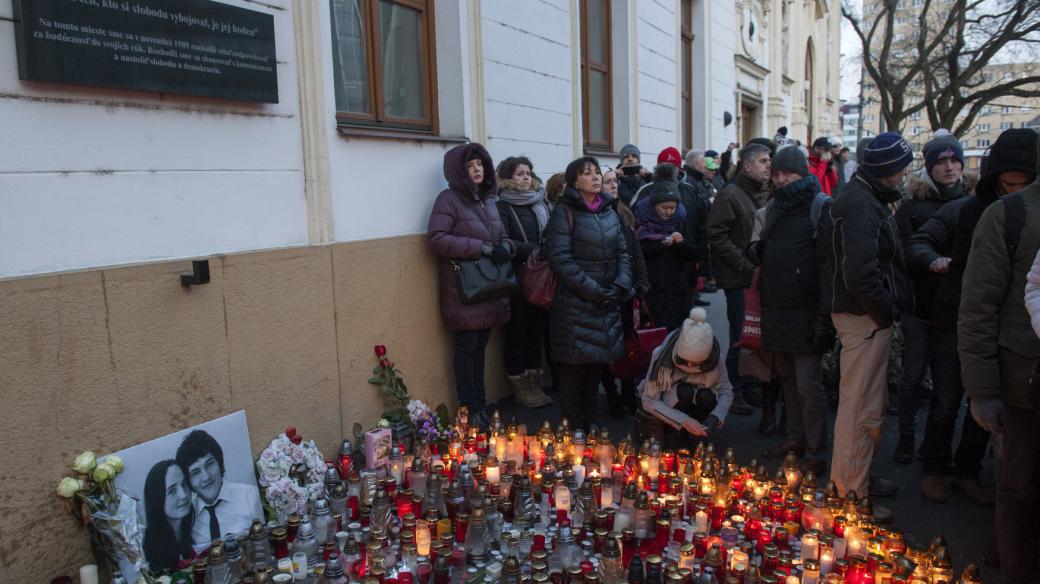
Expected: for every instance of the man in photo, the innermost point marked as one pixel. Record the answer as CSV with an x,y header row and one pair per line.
x,y
220,507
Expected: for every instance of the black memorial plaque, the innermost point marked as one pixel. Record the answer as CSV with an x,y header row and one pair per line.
x,y
191,47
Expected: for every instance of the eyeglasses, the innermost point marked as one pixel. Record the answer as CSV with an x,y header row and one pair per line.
x,y
684,362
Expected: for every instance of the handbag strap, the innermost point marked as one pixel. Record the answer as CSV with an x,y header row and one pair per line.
x,y
523,233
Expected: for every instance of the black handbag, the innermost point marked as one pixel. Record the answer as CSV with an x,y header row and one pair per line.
x,y
483,279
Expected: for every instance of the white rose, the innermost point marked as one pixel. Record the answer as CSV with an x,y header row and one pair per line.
x,y
85,462
68,487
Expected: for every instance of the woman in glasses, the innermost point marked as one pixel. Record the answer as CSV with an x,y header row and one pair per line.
x,y
686,393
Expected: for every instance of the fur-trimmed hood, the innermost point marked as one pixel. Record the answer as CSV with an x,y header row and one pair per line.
x,y
921,187
508,184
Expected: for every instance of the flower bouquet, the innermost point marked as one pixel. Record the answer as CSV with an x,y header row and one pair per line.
x,y
111,517
290,473
432,427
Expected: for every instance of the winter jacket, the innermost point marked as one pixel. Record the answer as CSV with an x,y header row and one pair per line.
x,y
702,186
527,234
922,200
696,215
464,217
993,314
789,284
671,293
628,186
863,270
730,223
824,172
594,275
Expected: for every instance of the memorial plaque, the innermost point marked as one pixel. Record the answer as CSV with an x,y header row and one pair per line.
x,y
191,47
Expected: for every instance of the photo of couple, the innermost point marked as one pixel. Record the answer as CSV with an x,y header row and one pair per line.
x,y
195,488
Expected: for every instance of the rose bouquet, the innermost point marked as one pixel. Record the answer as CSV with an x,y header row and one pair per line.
x,y
290,472
111,517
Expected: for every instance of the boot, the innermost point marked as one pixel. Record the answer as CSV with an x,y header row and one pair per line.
x,y
534,380
904,453
972,488
781,450
522,391
933,488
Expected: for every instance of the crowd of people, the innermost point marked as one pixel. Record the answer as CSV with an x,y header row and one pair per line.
x,y
838,251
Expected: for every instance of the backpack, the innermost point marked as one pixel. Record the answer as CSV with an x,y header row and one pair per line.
x,y
815,214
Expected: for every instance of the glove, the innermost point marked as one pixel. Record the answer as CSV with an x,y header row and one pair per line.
x,y
500,254
710,423
988,413
608,297
694,427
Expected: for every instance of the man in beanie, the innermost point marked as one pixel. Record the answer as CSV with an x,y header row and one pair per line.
x,y
938,184
631,174
1000,351
820,164
863,287
668,170
699,173
729,229
789,285
686,393
712,162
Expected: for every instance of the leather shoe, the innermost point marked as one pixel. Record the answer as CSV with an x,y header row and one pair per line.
x,y
781,450
972,488
933,488
740,407
904,453
880,487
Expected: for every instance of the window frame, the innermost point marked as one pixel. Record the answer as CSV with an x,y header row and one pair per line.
x,y
377,120
686,75
606,69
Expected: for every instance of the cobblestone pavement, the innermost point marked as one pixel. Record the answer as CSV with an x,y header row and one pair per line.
x,y
967,527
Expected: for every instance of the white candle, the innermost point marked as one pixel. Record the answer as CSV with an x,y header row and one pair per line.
x,y
492,474
791,580
701,521
579,474
857,547
606,495
826,561
88,574
839,548
810,546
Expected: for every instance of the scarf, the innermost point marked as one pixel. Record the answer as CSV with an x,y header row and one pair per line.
x,y
534,198
797,194
661,371
945,193
650,225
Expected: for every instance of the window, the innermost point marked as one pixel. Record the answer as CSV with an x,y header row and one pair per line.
x,y
1006,109
983,127
918,3
982,143
868,118
1025,109
915,116
1006,125
686,33
915,130
596,112
986,109
384,65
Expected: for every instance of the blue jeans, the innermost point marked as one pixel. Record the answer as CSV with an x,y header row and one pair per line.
x,y
469,368
735,316
915,360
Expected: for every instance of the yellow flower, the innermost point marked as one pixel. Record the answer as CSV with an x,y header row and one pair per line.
x,y
116,462
68,487
85,462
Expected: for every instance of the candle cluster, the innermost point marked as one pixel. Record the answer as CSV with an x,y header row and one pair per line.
x,y
504,505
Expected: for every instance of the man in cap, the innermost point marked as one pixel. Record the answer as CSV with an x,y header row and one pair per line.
x,y
863,286
631,174
820,164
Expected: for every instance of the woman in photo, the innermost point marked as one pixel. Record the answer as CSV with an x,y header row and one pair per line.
x,y
168,511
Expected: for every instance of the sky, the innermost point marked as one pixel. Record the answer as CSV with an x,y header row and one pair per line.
x,y
849,72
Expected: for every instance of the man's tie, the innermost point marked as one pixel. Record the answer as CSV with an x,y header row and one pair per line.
x,y
214,525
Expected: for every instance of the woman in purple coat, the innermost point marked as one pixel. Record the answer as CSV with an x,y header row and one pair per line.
x,y
465,225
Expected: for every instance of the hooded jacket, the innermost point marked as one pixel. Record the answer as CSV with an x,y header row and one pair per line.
x,y
731,221
824,172
464,217
922,200
671,295
589,255
863,257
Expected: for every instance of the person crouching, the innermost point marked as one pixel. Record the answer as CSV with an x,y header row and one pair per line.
x,y
687,392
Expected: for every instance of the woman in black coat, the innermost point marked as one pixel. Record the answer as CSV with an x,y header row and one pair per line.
x,y
587,251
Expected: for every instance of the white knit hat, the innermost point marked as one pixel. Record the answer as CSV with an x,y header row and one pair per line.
x,y
696,340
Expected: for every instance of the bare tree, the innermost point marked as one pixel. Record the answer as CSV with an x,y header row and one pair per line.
x,y
934,60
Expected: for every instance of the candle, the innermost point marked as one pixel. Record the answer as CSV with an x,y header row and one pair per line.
x,y
856,547
88,574
701,521
738,560
579,474
810,546
791,580
443,527
491,472
826,560
606,495
839,548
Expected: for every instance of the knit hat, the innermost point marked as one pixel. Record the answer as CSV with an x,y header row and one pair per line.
x,y
1015,149
711,154
886,155
822,142
941,148
763,142
665,185
629,149
696,340
791,159
670,155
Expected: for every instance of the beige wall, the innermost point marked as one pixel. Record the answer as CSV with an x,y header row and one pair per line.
x,y
105,359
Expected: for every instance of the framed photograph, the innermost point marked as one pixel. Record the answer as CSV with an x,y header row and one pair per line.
x,y
192,487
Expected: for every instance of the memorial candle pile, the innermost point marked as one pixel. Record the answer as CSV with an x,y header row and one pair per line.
x,y
503,505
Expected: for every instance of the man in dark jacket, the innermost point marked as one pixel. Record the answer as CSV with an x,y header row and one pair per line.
x,y
702,180
863,285
729,228
713,162
631,174
789,286
820,158
999,354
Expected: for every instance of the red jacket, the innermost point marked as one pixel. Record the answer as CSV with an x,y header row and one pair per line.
x,y
824,172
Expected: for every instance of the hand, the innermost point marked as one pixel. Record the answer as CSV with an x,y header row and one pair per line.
x,y
645,172
940,265
988,413
607,297
677,237
733,145
667,242
694,427
500,253
826,157
710,423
